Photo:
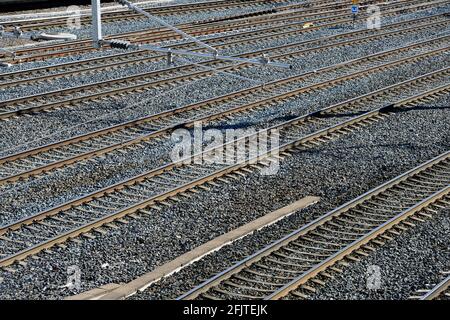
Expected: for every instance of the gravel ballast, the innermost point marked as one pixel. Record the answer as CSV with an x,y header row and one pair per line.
x,y
337,172
58,123
24,199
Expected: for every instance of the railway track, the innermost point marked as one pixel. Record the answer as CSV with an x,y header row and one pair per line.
x,y
134,133
49,73
166,78
321,20
125,15
307,7
165,185
162,34
294,266
439,292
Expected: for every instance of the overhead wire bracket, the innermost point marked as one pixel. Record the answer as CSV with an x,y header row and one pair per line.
x,y
170,52
264,60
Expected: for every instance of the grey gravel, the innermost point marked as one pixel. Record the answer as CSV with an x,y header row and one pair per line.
x,y
411,262
60,121
337,171
50,190
388,158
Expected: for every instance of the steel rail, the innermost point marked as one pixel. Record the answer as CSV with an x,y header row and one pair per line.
x,y
329,262
339,20
319,136
161,34
265,102
277,10
141,57
132,88
322,220
124,15
266,87
438,290
151,17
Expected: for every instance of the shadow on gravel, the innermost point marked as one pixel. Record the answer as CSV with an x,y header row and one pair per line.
x,y
247,124
388,108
